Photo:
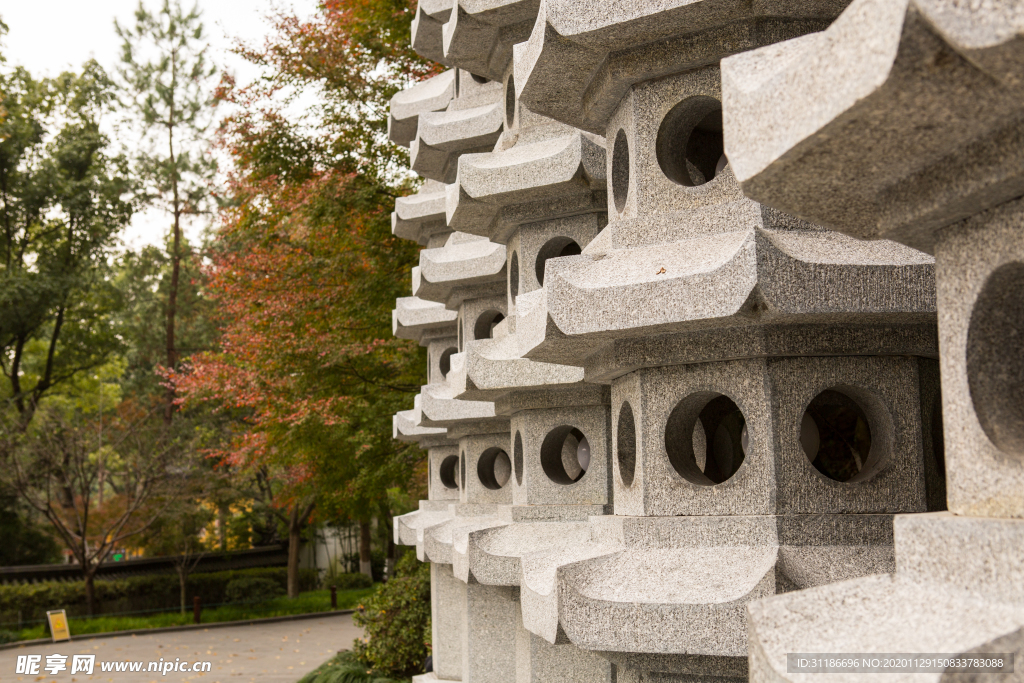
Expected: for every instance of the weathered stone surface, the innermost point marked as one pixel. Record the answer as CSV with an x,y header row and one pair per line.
x,y
747,277
420,217
472,122
678,585
539,171
660,469
921,126
627,43
467,266
545,455
489,633
479,34
937,601
431,15
433,94
446,622
406,427
416,319
980,276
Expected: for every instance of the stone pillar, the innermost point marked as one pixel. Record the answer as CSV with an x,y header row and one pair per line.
x,y
916,136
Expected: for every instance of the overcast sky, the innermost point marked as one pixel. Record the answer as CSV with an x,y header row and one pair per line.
x,y
48,36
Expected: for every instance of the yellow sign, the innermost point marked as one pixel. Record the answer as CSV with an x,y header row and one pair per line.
x,y
58,619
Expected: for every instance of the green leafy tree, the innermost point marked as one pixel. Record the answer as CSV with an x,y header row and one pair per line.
x,y
61,209
166,78
25,542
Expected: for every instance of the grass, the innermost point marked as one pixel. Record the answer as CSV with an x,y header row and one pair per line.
x,y
311,601
345,668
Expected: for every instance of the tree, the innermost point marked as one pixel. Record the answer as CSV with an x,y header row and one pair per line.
x,y
24,541
166,77
305,270
61,209
56,467
177,532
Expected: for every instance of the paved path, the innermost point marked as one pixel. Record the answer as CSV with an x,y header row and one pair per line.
x,y
281,652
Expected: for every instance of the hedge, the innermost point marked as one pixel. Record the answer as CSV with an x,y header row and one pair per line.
x,y
132,594
397,622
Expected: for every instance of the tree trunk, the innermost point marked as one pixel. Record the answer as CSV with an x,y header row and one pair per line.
x,y
172,308
389,552
294,542
182,577
365,564
222,527
90,590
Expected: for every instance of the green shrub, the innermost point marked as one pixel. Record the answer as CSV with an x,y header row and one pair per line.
x,y
8,637
397,622
252,589
345,668
348,581
133,594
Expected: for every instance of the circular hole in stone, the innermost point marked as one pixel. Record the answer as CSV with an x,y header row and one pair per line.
x,y
995,362
690,147
485,324
517,453
620,171
706,438
480,79
626,444
513,275
556,247
565,455
510,101
462,471
494,468
447,472
445,362
836,436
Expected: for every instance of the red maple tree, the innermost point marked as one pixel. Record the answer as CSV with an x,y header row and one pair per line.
x,y
305,270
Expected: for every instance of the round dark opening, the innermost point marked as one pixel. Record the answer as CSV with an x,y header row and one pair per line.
x,y
706,438
517,453
620,171
995,362
835,436
445,363
510,101
462,470
480,79
494,468
565,455
485,324
447,472
513,275
626,444
556,247
690,147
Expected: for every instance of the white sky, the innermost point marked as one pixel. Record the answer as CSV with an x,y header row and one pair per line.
x,y
48,36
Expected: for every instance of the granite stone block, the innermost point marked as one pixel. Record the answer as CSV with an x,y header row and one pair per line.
x,y
922,125
756,461
981,331
546,456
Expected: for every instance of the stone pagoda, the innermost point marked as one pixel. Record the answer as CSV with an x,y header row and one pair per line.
x,y
678,292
